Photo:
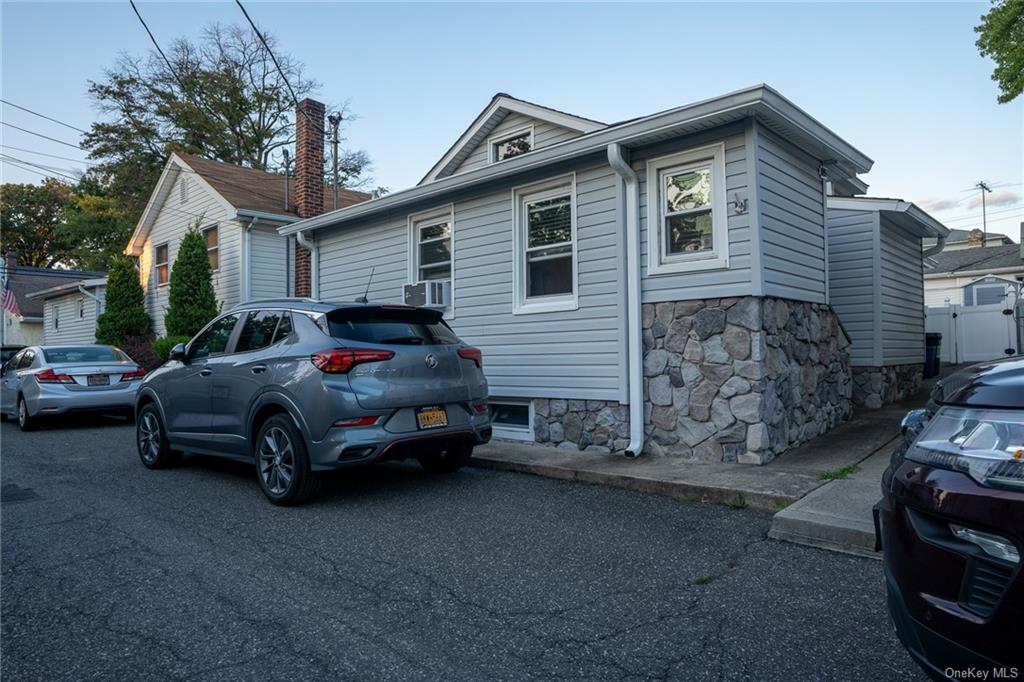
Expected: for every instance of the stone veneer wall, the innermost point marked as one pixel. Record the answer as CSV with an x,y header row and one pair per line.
x,y
874,387
733,379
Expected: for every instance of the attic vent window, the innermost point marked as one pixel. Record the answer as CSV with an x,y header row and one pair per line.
x,y
511,145
183,190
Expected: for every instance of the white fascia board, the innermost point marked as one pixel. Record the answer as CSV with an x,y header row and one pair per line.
x,y
67,288
740,104
271,217
510,104
1015,270
930,225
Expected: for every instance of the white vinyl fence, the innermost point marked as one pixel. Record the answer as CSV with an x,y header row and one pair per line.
x,y
976,333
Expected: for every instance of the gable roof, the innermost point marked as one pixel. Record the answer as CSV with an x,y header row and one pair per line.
x,y
239,189
759,102
499,107
27,280
977,259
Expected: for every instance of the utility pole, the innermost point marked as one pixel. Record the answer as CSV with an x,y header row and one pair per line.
x,y
335,121
983,186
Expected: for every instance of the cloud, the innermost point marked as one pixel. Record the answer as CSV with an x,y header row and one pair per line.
x,y
1003,198
935,204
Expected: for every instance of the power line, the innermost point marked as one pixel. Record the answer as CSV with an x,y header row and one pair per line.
x,y
152,39
48,118
49,173
962,218
52,156
45,137
274,59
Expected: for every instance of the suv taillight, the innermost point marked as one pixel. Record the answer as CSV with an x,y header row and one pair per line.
x,y
48,376
341,360
133,376
474,354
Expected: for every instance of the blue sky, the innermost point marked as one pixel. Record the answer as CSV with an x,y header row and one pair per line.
x,y
902,82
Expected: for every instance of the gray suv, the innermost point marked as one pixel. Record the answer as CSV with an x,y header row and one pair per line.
x,y
299,386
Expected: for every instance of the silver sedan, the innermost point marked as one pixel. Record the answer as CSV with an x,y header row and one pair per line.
x,y
42,381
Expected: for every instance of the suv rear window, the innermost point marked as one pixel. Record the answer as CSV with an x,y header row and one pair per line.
x,y
84,354
412,326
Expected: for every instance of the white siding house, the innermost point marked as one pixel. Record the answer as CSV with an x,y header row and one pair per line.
x,y
238,210
658,285
876,282
70,310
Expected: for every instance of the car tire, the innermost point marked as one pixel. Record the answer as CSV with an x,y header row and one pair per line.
x,y
26,421
451,460
151,440
282,463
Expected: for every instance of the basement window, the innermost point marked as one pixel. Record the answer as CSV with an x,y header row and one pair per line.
x,y
511,145
512,419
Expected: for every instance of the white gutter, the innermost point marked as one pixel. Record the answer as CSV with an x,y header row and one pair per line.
x,y
246,274
272,217
634,333
314,263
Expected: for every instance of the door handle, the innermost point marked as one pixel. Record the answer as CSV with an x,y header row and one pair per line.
x,y
205,372
258,369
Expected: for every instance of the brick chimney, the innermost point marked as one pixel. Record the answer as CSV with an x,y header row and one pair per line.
x,y
309,178
975,237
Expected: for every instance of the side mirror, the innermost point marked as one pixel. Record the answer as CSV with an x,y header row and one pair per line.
x,y
178,352
913,423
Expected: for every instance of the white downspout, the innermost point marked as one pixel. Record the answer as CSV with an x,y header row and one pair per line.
x,y
932,250
314,263
246,257
634,333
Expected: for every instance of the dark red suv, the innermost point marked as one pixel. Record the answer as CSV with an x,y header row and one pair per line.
x,y
951,524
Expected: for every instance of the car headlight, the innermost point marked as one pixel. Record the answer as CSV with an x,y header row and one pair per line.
x,y
988,445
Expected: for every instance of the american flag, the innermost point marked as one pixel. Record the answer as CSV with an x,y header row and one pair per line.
x,y
10,303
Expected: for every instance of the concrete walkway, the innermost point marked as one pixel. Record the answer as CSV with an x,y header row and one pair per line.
x,y
771,487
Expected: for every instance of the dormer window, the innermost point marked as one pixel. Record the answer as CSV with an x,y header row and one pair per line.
x,y
512,144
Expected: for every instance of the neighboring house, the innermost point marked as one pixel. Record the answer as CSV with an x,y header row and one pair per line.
x,y
877,287
70,310
238,210
28,328
969,276
656,285
969,239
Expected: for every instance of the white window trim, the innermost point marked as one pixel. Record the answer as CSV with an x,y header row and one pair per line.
x,y
156,264
511,432
521,305
494,141
446,212
718,259
81,307
203,231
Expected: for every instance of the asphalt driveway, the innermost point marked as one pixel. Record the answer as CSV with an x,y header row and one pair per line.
x,y
113,571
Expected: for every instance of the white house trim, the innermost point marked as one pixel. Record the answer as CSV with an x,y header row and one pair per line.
x,y
495,140
520,304
442,212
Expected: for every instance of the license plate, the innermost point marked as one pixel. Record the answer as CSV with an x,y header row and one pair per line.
x,y
431,417
98,380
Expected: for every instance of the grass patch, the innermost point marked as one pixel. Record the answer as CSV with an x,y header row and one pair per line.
x,y
779,505
737,502
839,474
704,579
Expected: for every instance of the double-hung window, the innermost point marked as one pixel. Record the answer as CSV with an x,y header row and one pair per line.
x,y
160,259
431,259
545,272
687,226
211,237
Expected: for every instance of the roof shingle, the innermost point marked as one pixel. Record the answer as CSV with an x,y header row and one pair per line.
x,y
977,258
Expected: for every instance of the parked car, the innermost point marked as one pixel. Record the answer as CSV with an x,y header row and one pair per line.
x,y
952,526
7,352
42,381
298,387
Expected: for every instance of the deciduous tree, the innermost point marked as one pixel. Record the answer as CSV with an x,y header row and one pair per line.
x,y
1001,37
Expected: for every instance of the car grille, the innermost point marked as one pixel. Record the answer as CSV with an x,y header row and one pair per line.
x,y
984,585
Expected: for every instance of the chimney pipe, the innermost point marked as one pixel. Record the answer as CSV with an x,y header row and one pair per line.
x,y
309,180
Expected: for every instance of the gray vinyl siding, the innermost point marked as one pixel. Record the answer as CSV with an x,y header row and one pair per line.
x,y
171,224
902,296
736,280
791,216
73,329
268,263
568,354
852,249
545,134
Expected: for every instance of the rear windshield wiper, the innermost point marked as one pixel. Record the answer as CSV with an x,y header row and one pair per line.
x,y
410,340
